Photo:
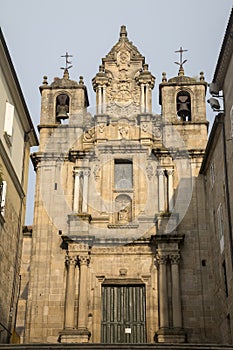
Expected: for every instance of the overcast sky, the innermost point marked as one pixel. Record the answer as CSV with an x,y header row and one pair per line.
x,y
39,32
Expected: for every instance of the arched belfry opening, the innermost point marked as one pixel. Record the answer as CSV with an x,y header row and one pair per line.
x,y
62,107
183,105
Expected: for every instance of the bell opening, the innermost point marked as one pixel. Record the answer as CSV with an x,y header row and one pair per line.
x,y
183,105
62,107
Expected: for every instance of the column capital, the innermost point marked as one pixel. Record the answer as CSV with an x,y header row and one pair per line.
x,y
77,172
174,258
71,260
86,172
83,260
161,259
170,172
160,172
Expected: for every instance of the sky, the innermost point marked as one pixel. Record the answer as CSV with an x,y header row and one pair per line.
x,y
38,33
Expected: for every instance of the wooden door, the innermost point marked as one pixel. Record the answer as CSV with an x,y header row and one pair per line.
x,y
123,314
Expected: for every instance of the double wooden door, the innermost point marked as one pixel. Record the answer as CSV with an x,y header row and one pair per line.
x,y
123,314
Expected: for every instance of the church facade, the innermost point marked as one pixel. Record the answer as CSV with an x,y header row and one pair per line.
x,y
119,247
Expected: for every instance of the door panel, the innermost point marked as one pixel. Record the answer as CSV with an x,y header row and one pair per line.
x,y
123,314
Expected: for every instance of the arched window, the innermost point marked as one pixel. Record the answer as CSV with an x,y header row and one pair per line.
x,y
62,107
123,207
183,106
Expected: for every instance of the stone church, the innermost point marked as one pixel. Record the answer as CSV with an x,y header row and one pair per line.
x,y
119,245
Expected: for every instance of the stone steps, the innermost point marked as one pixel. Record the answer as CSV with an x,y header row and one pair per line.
x,y
90,346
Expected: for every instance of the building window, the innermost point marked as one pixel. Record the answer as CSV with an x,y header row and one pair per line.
x,y
183,106
231,118
212,174
123,174
220,227
225,277
8,123
3,186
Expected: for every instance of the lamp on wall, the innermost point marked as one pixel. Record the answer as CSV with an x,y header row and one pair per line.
x,y
214,102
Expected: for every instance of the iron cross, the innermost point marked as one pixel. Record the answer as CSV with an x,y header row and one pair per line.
x,y
67,62
181,50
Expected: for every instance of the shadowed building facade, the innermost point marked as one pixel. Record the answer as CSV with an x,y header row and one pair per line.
x,y
17,135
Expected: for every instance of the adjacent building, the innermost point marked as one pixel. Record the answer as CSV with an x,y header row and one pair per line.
x,y
217,171
17,135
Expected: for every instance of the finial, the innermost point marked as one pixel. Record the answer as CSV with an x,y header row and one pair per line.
x,y
145,67
123,32
45,81
67,62
164,77
181,70
66,74
202,77
81,80
101,68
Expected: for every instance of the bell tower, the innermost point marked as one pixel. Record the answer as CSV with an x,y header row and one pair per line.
x,y
182,99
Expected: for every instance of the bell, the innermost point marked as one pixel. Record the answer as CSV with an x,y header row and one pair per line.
x,y
183,109
62,106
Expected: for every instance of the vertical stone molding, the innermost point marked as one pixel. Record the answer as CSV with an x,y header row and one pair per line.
x,y
71,262
161,196
163,295
77,174
176,301
99,102
86,173
147,99
104,100
170,174
83,261
142,98
80,192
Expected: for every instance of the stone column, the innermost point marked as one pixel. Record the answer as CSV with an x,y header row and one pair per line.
x,y
82,310
77,174
86,174
163,295
147,99
176,302
160,173
104,99
170,174
71,262
142,98
99,99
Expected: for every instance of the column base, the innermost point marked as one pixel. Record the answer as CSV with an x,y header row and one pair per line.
x,y
74,336
170,335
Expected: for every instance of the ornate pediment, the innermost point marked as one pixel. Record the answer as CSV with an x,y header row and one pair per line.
x,y
124,50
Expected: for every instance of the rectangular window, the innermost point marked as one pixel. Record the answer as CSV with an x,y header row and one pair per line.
x,y
225,278
123,174
3,197
9,116
212,174
220,226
